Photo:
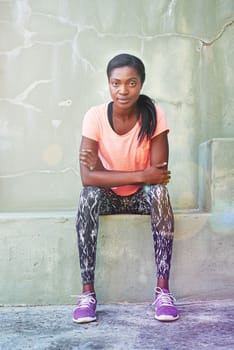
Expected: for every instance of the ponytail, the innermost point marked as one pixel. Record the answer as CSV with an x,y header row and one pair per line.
x,y
148,115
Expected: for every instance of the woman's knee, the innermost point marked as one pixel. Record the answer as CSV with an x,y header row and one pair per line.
x,y
159,191
89,197
90,192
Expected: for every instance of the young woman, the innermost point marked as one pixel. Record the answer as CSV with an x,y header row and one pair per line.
x,y
123,166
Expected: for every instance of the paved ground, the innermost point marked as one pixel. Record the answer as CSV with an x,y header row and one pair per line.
x,y
202,325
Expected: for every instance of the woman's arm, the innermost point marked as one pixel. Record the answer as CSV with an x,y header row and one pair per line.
x,y
94,174
160,154
159,150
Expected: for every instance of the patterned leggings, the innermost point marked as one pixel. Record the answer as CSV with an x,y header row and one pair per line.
x,y
95,201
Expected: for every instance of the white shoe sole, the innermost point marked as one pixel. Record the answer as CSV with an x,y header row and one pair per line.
x,y
85,320
166,318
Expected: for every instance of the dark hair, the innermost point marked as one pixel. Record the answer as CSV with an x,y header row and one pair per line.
x,y
145,104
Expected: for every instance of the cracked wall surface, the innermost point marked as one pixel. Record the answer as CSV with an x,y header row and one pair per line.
x,y
53,56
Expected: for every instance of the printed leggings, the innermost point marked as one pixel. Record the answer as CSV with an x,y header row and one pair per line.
x,y
95,201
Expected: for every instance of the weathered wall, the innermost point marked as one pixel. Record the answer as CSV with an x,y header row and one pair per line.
x,y
53,56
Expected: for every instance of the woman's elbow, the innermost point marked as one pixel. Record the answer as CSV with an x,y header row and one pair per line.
x,y
86,180
84,176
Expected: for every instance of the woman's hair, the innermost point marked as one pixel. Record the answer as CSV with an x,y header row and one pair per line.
x,y
145,104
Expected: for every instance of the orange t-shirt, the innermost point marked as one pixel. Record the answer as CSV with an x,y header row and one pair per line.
x,y
120,152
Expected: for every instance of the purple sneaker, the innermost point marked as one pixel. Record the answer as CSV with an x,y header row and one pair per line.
x,y
165,309
86,308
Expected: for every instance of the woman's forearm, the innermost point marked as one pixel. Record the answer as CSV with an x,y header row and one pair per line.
x,y
105,178
156,174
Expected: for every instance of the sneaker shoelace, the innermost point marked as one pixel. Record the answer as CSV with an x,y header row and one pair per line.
x,y
164,299
85,300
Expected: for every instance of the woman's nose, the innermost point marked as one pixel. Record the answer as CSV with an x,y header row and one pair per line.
x,y
123,89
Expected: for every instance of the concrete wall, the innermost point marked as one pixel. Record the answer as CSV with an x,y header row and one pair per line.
x,y
53,56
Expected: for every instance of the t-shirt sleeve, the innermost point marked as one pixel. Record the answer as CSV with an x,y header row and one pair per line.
x,y
90,126
161,122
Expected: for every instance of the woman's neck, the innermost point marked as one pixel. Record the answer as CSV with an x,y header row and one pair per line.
x,y
124,114
122,121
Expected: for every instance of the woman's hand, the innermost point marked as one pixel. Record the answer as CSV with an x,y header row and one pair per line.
x,y
157,174
88,158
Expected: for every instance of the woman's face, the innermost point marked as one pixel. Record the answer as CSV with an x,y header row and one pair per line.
x,y
125,86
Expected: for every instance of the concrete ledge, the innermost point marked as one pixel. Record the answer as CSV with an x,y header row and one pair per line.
x,y
39,260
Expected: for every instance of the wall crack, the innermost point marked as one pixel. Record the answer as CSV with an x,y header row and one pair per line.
x,y
219,35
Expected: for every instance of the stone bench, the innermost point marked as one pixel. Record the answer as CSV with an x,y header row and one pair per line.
x,y
39,260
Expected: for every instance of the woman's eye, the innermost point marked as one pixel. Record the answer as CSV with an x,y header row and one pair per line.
x,y
115,84
132,83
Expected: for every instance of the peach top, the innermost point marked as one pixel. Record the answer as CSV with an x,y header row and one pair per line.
x,y
120,152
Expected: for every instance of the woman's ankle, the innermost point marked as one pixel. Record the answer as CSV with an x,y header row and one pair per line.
x,y
88,288
163,283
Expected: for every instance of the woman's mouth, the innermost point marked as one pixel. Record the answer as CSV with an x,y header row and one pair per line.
x,y
123,100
